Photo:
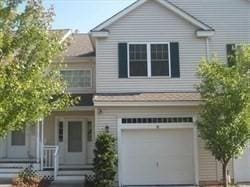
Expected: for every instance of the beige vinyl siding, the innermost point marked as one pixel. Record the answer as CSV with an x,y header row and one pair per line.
x,y
150,22
207,164
229,18
82,65
209,168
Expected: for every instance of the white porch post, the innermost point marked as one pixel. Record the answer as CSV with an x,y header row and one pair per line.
x,y
42,143
38,142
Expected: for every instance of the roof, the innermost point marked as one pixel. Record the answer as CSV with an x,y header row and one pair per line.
x,y
80,46
188,17
156,98
84,99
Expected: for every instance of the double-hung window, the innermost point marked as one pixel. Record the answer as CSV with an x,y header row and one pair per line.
x,y
138,59
159,60
149,59
78,79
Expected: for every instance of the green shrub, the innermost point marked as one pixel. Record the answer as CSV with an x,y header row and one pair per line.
x,y
105,161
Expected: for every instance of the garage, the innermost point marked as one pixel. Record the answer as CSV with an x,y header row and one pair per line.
x,y
157,157
242,167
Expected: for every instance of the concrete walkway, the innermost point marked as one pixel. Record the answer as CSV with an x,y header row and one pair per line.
x,y
66,184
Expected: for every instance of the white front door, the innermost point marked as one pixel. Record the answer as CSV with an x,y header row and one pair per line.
x,y
17,144
157,157
75,142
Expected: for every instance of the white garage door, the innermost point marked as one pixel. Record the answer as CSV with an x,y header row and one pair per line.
x,y
157,157
242,167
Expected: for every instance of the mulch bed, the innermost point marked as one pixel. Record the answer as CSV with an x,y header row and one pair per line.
x,y
41,183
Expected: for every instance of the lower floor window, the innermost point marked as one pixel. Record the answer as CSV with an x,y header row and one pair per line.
x,y
18,137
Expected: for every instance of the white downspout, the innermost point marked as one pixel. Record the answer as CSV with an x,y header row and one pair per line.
x,y
207,48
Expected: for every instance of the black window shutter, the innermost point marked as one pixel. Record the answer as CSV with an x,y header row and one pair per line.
x,y
123,60
230,54
175,59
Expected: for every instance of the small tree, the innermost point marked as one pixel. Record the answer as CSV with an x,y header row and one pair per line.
x,y
224,119
30,84
105,161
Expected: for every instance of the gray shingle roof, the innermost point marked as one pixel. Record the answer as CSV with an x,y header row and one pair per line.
x,y
149,97
80,46
84,99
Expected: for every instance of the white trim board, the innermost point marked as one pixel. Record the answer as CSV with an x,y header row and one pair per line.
x,y
138,3
121,127
147,103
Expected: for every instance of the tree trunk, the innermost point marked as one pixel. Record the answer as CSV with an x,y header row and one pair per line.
x,y
224,171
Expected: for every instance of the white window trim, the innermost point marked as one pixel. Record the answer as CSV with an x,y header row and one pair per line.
x,y
149,71
85,69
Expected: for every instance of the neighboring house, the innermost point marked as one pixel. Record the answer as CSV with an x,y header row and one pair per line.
x,y
139,67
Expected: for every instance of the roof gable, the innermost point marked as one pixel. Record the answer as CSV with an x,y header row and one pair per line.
x,y
170,6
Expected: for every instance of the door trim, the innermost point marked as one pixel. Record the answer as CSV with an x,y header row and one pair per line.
x,y
66,118
132,126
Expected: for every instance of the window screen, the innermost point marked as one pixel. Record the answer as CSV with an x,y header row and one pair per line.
x,y
138,59
159,60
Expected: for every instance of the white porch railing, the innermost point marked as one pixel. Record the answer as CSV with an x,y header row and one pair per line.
x,y
50,158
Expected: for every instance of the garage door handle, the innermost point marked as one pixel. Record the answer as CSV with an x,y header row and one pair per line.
x,y
157,164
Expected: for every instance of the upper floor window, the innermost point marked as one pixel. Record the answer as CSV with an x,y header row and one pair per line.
x,y
159,60
77,78
148,59
138,59
151,59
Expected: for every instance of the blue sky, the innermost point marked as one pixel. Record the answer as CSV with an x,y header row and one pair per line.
x,y
84,14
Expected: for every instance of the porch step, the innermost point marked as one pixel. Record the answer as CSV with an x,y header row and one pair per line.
x,y
75,167
76,172
8,175
68,178
10,170
19,165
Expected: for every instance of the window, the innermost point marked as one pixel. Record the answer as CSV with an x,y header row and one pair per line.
x,y
89,127
159,60
138,59
158,120
77,78
151,59
18,138
60,131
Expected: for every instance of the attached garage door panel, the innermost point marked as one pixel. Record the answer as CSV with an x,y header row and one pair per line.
x,y
151,157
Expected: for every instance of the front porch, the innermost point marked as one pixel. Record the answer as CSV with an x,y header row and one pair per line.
x,y
60,146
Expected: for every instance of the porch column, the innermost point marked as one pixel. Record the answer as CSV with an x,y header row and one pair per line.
x,y
38,141
42,143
